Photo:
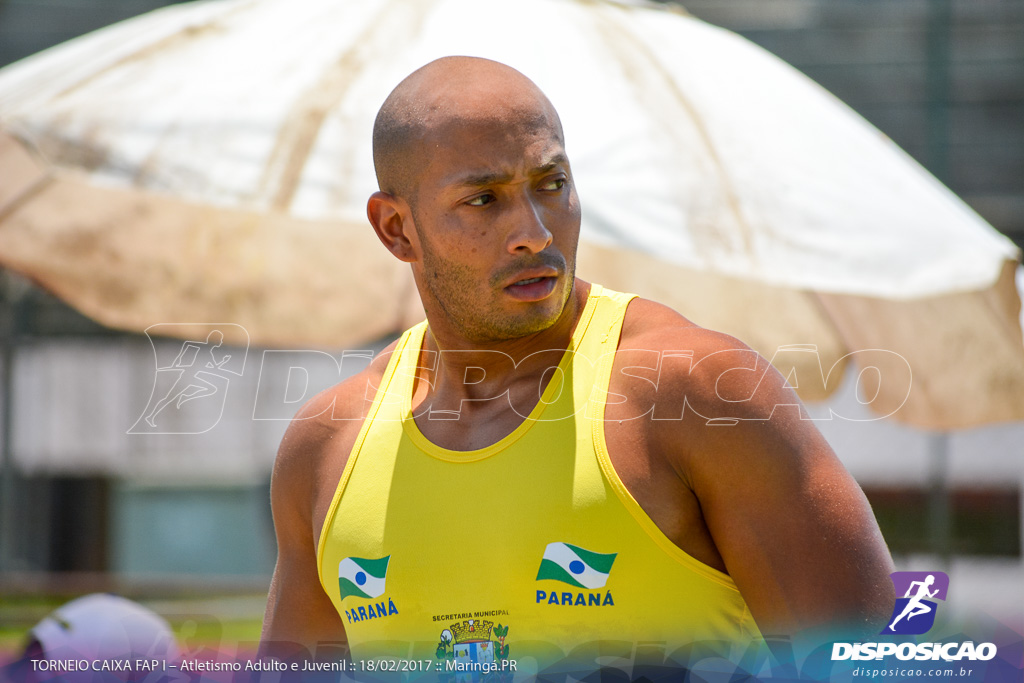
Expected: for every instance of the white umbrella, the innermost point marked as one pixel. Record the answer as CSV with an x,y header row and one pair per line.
x,y
210,162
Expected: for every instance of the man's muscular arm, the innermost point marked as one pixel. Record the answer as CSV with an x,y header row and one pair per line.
x,y
792,527
299,613
309,465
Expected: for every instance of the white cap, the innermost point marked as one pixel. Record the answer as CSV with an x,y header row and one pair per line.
x,y
103,626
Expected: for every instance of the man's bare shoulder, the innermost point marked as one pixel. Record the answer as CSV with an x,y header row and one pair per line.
x,y
706,369
651,325
771,492
309,464
320,436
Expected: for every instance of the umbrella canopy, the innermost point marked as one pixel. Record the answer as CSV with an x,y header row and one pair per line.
x,y
210,162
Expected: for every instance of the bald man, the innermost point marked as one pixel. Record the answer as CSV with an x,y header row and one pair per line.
x,y
546,469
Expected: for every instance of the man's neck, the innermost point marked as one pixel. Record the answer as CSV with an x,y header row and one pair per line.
x,y
458,369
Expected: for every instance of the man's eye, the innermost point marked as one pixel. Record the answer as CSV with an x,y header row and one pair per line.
x,y
556,184
481,200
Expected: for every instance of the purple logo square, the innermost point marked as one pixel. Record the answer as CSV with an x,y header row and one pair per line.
x,y
916,593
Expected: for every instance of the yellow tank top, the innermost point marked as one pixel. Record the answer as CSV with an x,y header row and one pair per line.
x,y
530,549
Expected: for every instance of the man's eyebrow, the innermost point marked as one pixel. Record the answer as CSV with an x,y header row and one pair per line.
x,y
558,160
474,179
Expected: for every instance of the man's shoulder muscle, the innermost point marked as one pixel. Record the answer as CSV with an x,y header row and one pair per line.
x,y
669,365
771,491
700,390
309,463
316,445
649,325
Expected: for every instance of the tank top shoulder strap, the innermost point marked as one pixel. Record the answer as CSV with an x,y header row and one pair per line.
x,y
598,343
387,403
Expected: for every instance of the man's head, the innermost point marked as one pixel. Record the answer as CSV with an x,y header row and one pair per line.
x,y
477,194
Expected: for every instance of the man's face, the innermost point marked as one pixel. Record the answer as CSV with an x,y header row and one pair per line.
x,y
497,219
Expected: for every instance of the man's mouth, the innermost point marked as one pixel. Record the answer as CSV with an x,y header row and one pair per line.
x,y
532,288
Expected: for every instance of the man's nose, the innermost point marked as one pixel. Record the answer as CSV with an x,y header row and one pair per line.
x,y
529,232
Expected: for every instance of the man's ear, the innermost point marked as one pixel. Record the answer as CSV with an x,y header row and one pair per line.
x,y
392,221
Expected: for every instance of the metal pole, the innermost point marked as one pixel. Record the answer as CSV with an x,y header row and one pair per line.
x,y
938,87
8,488
937,84
940,509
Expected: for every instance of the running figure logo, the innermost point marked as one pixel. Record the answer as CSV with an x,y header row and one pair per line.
x,y
198,375
914,613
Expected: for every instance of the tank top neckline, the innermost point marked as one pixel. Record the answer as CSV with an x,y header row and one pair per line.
x,y
410,355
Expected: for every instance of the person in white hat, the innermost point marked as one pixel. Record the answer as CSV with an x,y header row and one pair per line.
x,y
88,635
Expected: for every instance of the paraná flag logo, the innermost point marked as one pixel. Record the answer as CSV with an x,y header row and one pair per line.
x,y
362,577
575,566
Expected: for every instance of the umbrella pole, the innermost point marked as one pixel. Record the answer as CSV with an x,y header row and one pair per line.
x,y
8,485
940,513
940,23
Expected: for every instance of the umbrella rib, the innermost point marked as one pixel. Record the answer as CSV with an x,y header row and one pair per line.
x,y
1003,295
185,35
299,134
25,195
640,49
